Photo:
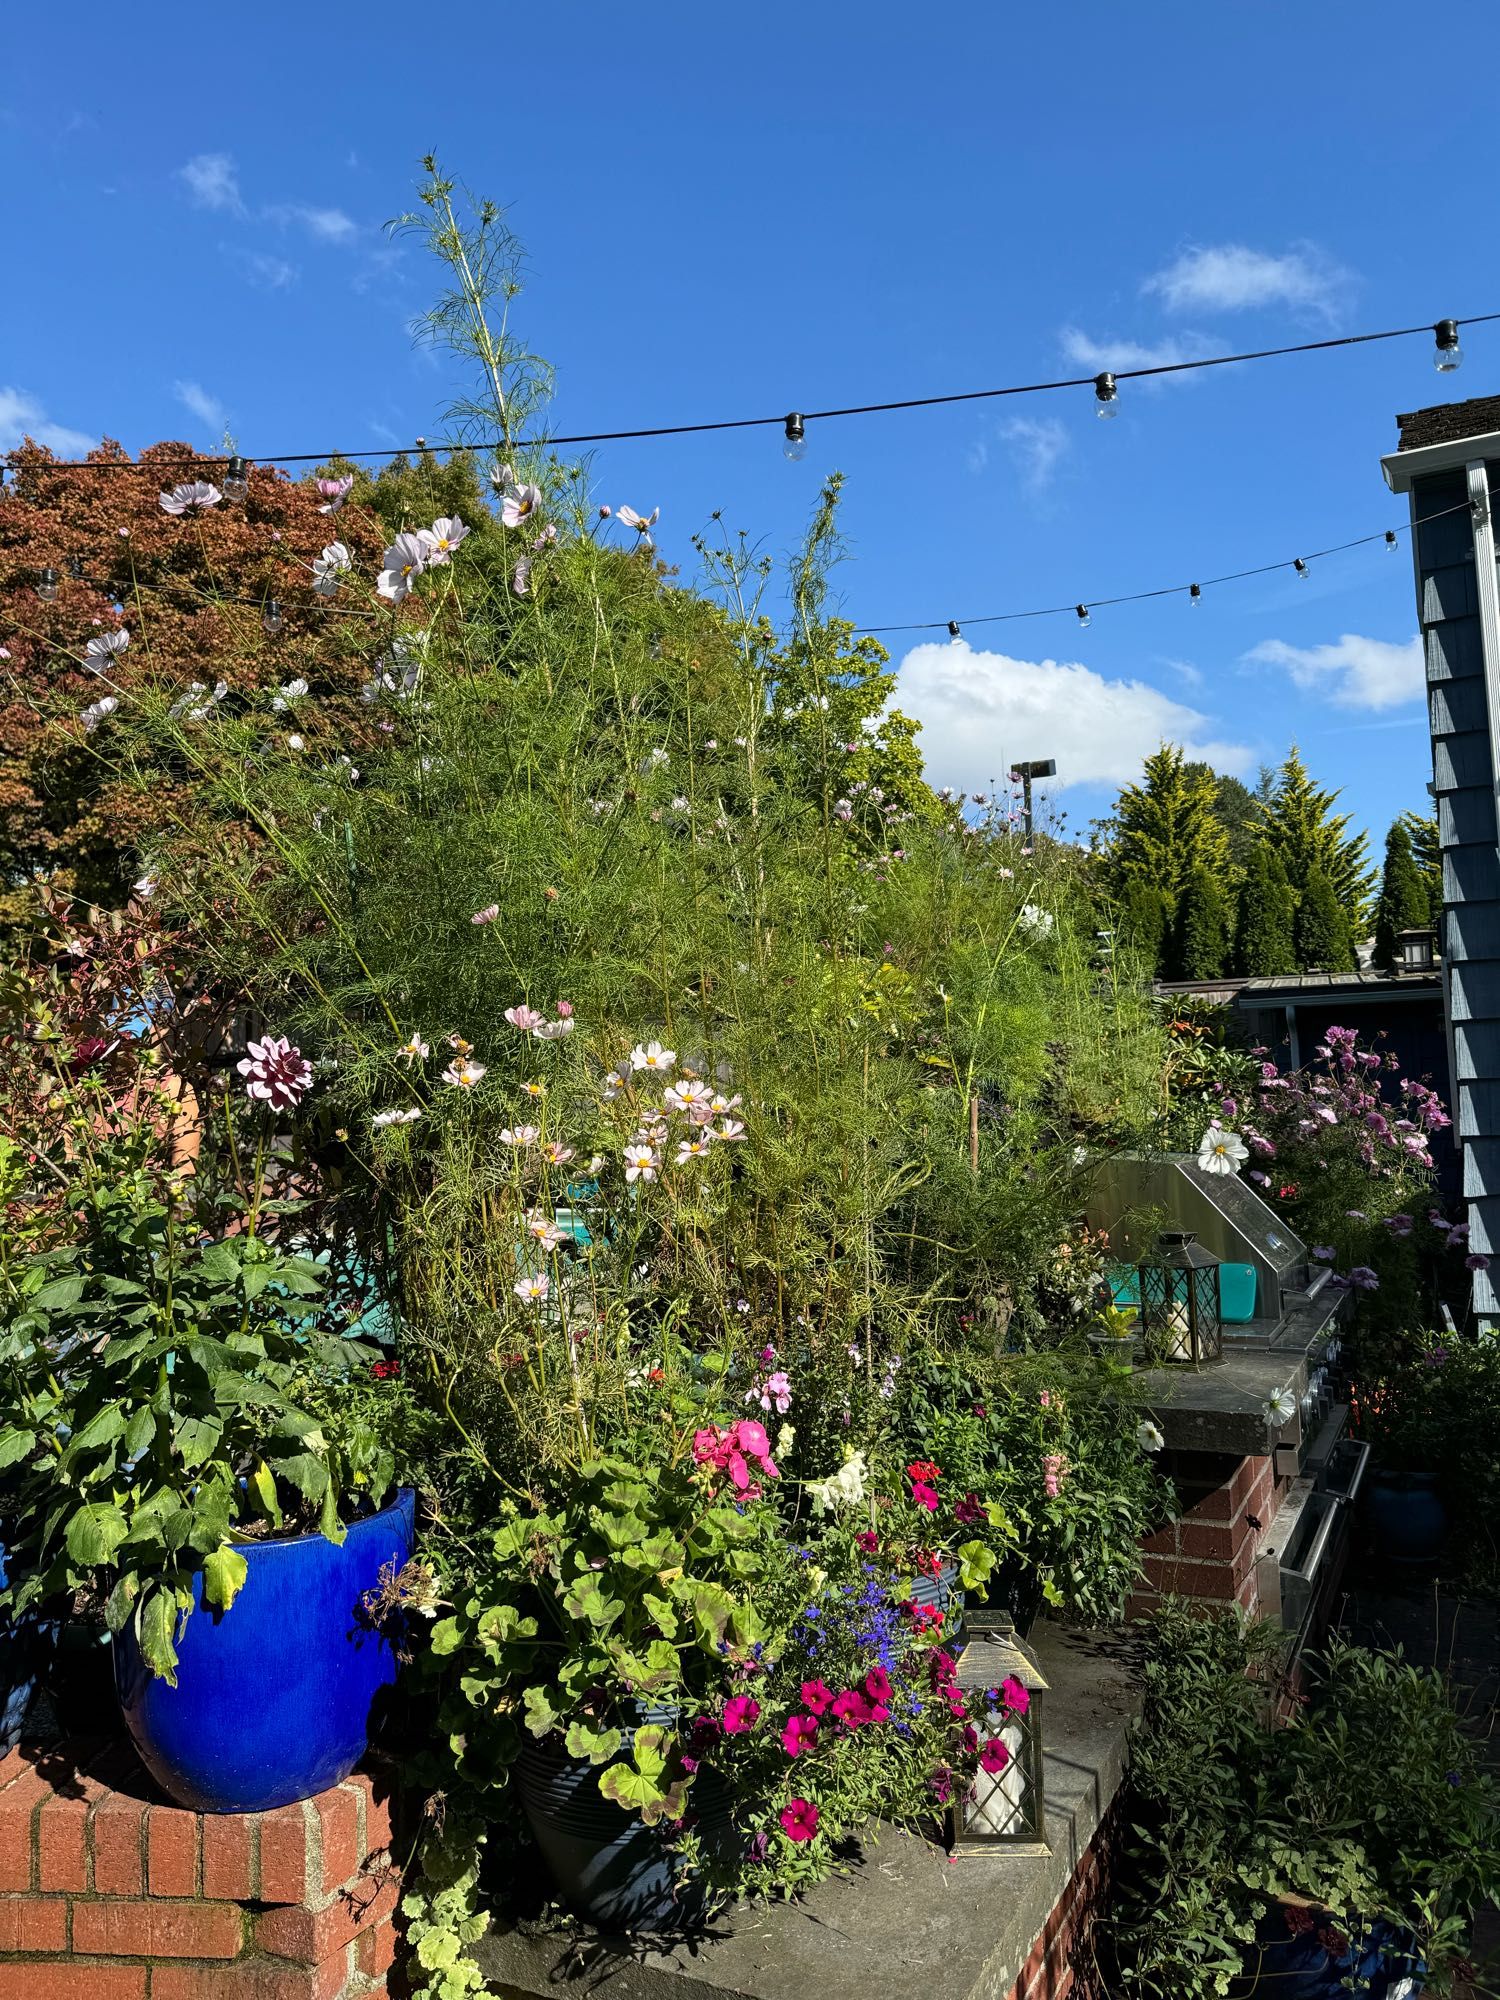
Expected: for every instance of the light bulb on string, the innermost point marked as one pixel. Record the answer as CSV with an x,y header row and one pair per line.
x,y
1106,396
236,484
796,435
270,617
1301,568
1390,540
1083,615
1447,355
953,631
1195,594
46,585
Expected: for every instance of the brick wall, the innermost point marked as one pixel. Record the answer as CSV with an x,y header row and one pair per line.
x,y
107,1895
1062,1965
1210,1552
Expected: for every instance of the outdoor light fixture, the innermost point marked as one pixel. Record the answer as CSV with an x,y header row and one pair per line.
x,y
270,617
1083,614
236,480
1180,1312
796,437
953,631
46,585
1195,593
1448,355
1301,568
1390,539
1004,1689
1416,950
1039,767
1106,395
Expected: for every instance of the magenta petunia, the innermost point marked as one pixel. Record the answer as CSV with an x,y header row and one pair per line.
x,y
799,1819
994,1756
817,1697
1015,1695
924,1496
878,1684
741,1713
800,1733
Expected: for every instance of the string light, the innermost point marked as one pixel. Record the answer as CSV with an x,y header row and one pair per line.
x,y
1195,594
46,585
1106,396
1390,540
1083,614
1447,355
1300,567
235,485
953,631
1451,356
796,436
270,618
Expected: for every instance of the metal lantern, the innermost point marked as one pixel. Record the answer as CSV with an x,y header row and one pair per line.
x,y
1180,1310
1004,1808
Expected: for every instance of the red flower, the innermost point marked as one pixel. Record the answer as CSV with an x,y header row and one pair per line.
x,y
386,1371
968,1510
1015,1695
970,1739
800,1733
799,1819
980,1410
923,1468
940,1668
869,1541
994,1756
924,1496
878,1684
741,1713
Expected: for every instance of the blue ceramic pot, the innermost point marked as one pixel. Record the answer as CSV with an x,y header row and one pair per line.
x,y
941,1593
1406,1515
273,1697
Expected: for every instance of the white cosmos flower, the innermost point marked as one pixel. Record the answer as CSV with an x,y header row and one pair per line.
x,y
327,568
463,1073
295,742
642,523
731,1132
104,649
289,691
691,1149
641,1163
190,494
145,888
1221,1152
1280,1408
442,538
614,1083
653,1056
523,1135
384,1118
96,711
405,561
1040,923
1147,1436
683,1096
532,1290
553,1031
520,577
519,505
413,1051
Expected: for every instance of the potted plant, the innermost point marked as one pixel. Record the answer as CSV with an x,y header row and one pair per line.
x,y
1117,1334
1405,1415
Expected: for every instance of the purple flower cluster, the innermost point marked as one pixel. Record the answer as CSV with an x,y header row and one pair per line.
x,y
1339,1107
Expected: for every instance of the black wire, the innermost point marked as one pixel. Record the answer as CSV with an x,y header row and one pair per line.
x,y
501,445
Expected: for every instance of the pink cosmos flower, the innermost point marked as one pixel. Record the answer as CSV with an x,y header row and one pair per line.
x,y
519,505
442,538
520,577
405,560
335,492
731,1132
1015,1695
800,1733
642,523
994,1756
564,1010
487,915
275,1073
741,1713
799,1820
531,1291
190,496
525,1018
817,1697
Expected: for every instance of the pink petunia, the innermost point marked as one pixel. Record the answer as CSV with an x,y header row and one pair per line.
x,y
800,1733
924,1496
741,1713
817,1697
1015,1695
799,1819
994,1756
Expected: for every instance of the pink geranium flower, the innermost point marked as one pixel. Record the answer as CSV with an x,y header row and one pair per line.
x,y
741,1713
799,1819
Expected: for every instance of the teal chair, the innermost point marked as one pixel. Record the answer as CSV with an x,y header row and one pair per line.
x,y
1236,1293
1124,1284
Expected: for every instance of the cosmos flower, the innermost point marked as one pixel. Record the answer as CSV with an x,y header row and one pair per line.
x,y
652,1056
463,1073
532,1290
405,560
487,915
525,1018
104,649
542,1229
335,492
691,1149
556,1154
641,1162
442,538
288,692
1280,1408
191,494
327,568
519,504
275,1072
520,577
413,1051
731,1132
554,1031
642,523
384,1118
1040,923
523,1135
96,711
1221,1152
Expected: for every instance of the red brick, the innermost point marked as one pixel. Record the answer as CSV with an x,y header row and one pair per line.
x,y
229,1856
1209,1540
1194,1579
171,1852
62,1844
1163,1542
375,1951
158,1930
73,1980
115,1834
285,1837
377,1797
252,1979
33,1923
338,1827
314,1935
18,1804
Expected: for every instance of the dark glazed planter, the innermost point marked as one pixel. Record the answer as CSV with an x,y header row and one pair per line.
x,y
274,1696
1380,1963
1407,1517
941,1593
607,1864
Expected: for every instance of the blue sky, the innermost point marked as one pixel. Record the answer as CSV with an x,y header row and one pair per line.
x,y
729,212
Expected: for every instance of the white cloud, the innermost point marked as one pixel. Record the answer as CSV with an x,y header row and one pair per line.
x,y
22,416
981,711
324,225
1036,445
212,182
1352,672
271,274
1186,671
1086,352
1231,277
209,411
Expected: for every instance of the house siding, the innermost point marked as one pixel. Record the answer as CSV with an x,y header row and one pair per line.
x,y
1463,768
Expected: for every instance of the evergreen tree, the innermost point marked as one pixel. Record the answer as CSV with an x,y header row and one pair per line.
x,y
1144,917
1404,898
1422,831
1299,822
1164,829
1322,928
1264,941
1234,806
1200,938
